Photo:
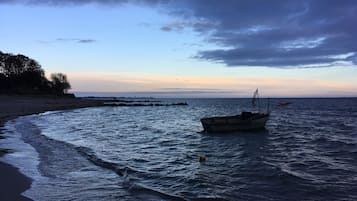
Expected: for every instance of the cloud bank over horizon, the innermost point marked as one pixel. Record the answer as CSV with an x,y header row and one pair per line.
x,y
277,33
282,33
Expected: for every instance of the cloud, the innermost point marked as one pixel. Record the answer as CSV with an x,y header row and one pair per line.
x,y
86,41
194,91
274,33
279,33
72,40
81,2
191,89
199,26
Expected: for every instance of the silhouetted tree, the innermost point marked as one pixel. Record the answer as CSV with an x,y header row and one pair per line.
x,y
21,74
60,83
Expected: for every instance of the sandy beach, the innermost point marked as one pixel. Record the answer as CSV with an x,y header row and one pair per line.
x,y
12,182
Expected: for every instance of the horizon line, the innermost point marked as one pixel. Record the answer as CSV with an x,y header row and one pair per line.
x,y
96,94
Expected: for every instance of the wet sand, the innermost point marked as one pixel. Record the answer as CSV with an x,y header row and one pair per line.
x,y
13,182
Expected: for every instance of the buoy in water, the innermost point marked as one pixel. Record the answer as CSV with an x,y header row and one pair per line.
x,y
202,158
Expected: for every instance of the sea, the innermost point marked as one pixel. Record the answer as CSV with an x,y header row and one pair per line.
x,y
308,151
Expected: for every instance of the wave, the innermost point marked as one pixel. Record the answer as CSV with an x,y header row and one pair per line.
x,y
135,186
124,172
284,172
90,155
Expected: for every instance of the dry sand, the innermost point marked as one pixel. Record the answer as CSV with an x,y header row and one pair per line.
x,y
12,182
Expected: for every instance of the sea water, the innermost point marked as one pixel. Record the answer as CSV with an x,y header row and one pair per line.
x,y
307,152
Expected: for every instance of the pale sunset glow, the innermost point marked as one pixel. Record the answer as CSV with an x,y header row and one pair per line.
x,y
208,86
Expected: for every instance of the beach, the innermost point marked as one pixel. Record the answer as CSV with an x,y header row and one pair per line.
x,y
12,182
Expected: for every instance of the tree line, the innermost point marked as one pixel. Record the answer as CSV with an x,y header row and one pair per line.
x,y
20,74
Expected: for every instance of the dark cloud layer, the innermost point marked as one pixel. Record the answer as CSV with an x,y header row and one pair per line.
x,y
279,33
79,2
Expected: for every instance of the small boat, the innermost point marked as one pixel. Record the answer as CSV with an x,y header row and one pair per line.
x,y
246,121
283,104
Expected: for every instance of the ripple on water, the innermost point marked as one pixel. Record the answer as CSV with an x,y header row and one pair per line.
x,y
307,152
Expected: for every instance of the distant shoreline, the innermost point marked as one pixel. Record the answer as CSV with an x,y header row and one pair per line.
x,y
180,95
13,182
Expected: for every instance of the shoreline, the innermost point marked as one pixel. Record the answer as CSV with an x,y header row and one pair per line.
x,y
12,182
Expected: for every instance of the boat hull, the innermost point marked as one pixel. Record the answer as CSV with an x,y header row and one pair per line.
x,y
234,123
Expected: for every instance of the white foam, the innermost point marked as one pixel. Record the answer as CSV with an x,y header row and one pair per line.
x,y
24,157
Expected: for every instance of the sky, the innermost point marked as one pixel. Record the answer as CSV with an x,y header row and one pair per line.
x,y
189,48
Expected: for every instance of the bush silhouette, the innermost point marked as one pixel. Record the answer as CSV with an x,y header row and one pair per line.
x,y
60,83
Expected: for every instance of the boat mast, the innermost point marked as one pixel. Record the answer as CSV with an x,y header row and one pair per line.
x,y
256,99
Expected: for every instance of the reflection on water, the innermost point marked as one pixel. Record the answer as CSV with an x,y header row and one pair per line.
x,y
307,152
